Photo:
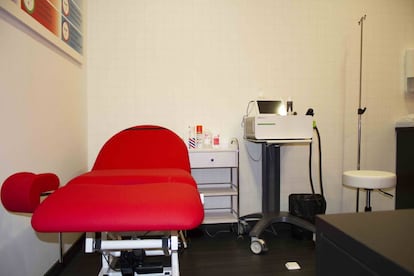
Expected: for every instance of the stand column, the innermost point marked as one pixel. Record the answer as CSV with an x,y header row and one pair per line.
x,y
270,178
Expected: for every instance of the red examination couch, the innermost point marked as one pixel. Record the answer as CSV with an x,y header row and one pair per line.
x,y
140,182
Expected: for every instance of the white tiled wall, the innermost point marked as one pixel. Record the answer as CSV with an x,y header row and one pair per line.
x,y
185,62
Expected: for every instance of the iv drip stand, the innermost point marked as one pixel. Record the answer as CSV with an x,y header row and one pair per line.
x,y
361,110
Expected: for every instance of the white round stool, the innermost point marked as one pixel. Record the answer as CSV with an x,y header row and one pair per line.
x,y
368,180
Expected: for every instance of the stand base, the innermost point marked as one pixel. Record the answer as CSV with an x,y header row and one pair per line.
x,y
258,245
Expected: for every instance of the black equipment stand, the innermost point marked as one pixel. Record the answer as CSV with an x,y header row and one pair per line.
x,y
271,197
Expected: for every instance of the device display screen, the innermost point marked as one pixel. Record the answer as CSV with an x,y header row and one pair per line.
x,y
270,107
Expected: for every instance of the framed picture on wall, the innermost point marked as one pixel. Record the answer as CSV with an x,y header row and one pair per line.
x,y
58,21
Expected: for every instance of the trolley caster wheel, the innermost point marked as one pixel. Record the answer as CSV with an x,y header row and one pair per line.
x,y
243,228
257,246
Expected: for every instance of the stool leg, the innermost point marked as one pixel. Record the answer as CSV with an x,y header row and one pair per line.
x,y
368,201
357,200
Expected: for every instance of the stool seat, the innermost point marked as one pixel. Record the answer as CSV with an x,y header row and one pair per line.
x,y
368,179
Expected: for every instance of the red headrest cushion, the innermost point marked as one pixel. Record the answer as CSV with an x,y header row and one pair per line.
x,y
143,147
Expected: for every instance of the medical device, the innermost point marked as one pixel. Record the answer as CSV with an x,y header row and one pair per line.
x,y
271,122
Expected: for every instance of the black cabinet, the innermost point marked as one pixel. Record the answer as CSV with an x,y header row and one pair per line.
x,y
404,191
366,243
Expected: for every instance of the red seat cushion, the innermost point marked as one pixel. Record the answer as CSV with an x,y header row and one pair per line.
x,y
120,207
134,176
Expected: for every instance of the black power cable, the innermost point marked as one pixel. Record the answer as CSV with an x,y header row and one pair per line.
x,y
318,199
320,163
320,159
310,112
310,169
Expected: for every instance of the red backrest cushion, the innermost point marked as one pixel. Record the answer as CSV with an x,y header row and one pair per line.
x,y
143,147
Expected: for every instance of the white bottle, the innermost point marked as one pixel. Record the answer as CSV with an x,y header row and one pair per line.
x,y
207,139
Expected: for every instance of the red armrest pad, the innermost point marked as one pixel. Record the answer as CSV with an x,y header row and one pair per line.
x,y
98,208
21,191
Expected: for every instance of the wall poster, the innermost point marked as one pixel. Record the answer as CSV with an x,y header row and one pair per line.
x,y
59,21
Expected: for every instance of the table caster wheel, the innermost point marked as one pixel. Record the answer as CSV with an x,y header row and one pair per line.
x,y
257,246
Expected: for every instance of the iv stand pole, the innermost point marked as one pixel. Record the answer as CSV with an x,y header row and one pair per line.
x,y
361,110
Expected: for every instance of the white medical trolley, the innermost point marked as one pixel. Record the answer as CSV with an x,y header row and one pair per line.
x,y
216,171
